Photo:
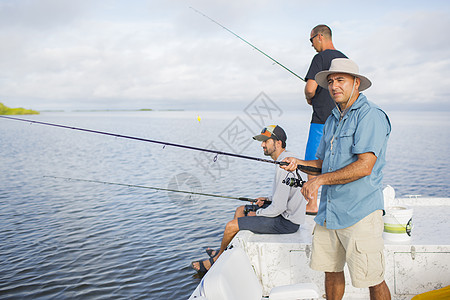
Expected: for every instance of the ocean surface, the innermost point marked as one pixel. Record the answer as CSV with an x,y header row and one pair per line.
x,y
72,239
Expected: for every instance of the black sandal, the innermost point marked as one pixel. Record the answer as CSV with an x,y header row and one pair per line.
x,y
202,266
210,252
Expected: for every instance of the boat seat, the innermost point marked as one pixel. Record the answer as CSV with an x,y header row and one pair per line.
x,y
232,278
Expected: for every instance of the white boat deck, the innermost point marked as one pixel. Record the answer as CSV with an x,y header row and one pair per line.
x,y
413,267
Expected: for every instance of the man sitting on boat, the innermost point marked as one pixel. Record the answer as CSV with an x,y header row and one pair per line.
x,y
283,215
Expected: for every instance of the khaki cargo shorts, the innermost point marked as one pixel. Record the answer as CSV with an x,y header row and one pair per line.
x,y
360,246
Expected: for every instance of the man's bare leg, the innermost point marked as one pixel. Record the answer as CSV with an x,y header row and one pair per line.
x,y
380,292
239,212
334,285
311,206
231,229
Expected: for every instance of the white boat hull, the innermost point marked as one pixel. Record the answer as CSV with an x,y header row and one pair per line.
x,y
412,267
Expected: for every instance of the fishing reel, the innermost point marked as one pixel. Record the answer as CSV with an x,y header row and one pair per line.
x,y
293,181
250,207
253,207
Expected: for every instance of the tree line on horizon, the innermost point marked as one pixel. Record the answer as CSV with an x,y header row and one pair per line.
x,y
5,110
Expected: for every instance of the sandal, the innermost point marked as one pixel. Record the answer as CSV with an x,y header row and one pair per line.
x,y
202,266
211,252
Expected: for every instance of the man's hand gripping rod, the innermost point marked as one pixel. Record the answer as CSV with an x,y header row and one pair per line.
x,y
306,169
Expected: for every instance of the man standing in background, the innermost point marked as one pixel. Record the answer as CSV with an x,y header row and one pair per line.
x,y
318,97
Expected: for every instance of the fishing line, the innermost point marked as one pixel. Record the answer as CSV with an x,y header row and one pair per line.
x,y
152,188
300,167
248,43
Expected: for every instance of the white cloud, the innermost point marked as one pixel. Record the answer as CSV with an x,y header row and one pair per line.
x,y
107,54
406,59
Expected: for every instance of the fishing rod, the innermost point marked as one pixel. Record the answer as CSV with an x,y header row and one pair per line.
x,y
254,47
153,188
300,167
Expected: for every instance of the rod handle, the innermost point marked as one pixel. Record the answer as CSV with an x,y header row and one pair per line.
x,y
303,168
308,168
247,199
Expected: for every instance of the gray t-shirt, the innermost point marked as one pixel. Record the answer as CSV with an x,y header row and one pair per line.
x,y
286,201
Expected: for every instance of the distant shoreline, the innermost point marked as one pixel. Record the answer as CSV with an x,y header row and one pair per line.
x,y
111,110
5,110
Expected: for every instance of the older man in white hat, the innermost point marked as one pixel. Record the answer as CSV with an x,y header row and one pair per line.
x,y
351,154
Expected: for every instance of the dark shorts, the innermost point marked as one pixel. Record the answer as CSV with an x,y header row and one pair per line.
x,y
259,224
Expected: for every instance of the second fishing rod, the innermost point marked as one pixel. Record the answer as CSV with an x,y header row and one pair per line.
x,y
248,43
312,170
155,188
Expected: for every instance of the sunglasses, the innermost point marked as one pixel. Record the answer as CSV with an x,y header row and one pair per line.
x,y
269,134
312,38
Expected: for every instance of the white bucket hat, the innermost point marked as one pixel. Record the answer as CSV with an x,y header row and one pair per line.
x,y
342,65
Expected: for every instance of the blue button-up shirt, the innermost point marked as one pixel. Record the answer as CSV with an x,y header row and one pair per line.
x,y
364,128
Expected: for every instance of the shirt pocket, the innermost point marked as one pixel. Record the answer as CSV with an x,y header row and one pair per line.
x,y
345,140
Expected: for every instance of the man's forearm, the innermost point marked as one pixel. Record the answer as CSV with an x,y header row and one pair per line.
x,y
310,90
352,172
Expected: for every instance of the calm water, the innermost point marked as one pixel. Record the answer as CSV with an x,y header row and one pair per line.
x,y
70,239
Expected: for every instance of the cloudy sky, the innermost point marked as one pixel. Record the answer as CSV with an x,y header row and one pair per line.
x,y
111,54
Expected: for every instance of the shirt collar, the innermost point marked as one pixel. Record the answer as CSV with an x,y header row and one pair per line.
x,y
282,155
357,104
